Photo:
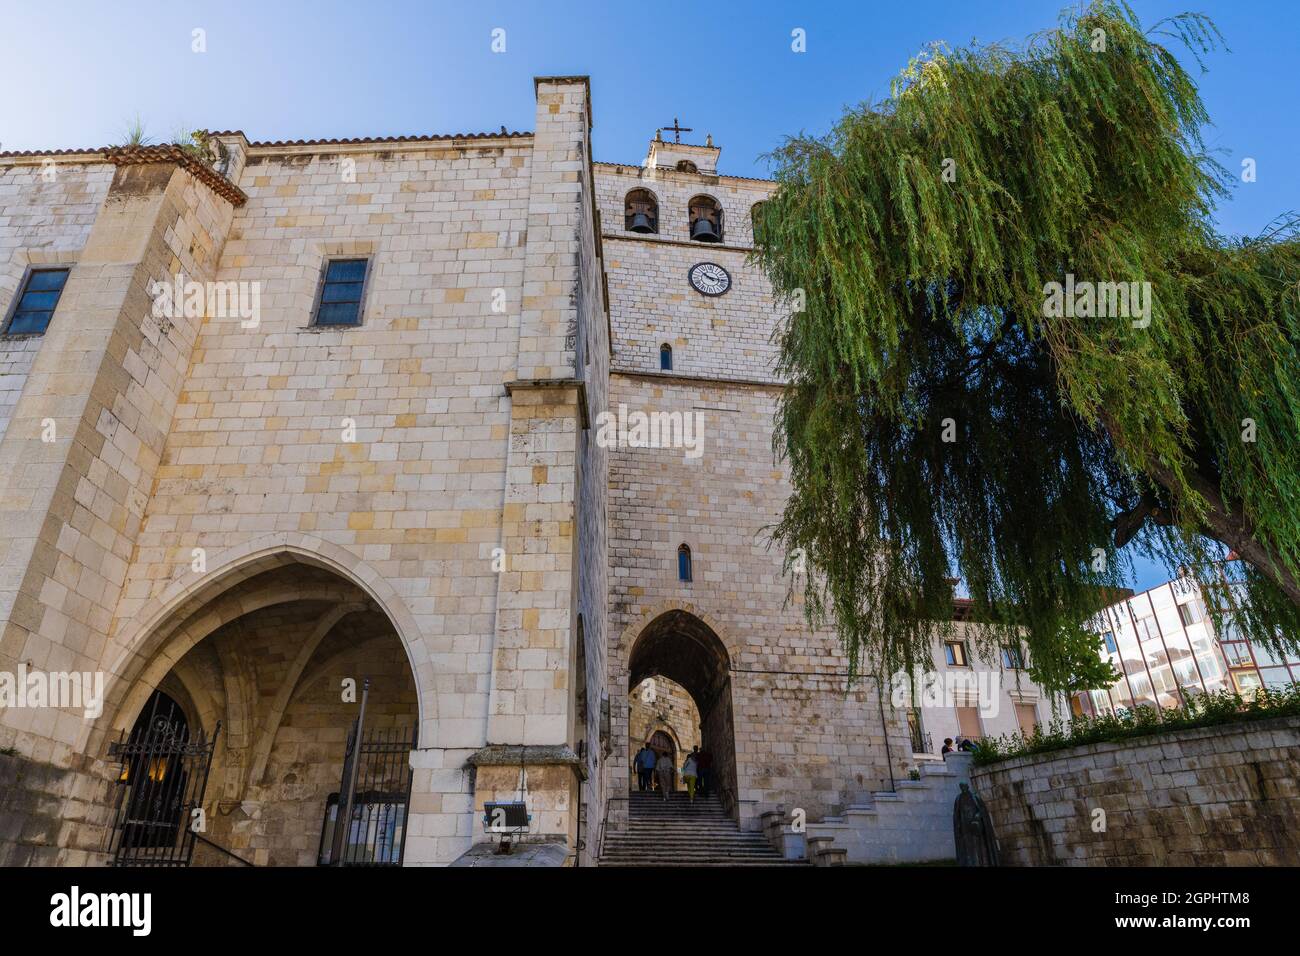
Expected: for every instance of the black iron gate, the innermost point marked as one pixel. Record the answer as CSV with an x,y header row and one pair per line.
x,y
162,774
376,786
372,798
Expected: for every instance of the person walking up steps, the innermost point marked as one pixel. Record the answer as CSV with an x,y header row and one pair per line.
x,y
690,770
645,767
704,760
664,770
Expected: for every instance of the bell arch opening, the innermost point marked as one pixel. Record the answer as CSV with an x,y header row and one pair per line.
x,y
679,674
705,216
271,670
641,212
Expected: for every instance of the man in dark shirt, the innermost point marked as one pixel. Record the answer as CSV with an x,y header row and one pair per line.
x,y
645,767
704,761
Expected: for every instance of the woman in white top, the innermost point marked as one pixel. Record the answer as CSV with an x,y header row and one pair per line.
x,y
689,772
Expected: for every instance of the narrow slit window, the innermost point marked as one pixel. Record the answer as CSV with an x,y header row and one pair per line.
x,y
36,302
342,292
683,563
666,357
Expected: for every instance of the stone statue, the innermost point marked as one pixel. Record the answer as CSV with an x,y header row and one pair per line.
x,y
973,831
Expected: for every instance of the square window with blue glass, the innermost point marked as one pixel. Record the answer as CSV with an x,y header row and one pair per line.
x,y
341,292
36,302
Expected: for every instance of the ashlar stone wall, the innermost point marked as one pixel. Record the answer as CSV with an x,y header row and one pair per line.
x,y
1214,796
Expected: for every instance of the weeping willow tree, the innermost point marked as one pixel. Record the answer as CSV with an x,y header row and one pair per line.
x,y
1018,350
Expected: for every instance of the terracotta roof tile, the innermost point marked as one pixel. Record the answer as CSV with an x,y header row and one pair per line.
x,y
364,140
749,179
170,153
260,144
16,153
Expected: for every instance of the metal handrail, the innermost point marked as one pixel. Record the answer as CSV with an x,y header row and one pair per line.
x,y
217,846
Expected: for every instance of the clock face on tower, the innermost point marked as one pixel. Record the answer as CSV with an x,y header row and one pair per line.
x,y
709,278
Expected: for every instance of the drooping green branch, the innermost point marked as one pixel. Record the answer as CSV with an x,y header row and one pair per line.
x,y
1022,346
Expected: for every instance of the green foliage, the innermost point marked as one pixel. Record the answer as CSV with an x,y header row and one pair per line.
x,y
1078,665
1200,710
195,142
135,133
939,423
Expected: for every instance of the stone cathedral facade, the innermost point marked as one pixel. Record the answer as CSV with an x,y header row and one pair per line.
x,y
473,428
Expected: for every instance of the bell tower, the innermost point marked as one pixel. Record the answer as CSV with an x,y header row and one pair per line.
x,y
685,157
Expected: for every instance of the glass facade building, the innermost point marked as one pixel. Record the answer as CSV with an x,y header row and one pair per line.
x,y
1164,645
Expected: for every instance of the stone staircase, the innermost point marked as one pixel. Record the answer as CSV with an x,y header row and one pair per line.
x,y
910,824
676,832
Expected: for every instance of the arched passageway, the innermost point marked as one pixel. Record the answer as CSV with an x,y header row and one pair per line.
x,y
681,650
270,672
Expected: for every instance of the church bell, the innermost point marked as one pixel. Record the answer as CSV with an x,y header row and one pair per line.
x,y
641,223
703,230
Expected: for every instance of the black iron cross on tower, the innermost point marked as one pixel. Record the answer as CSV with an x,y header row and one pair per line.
x,y
677,130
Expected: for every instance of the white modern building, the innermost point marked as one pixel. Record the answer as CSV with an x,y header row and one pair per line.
x,y
1164,645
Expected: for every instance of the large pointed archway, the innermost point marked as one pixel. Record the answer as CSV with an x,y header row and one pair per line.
x,y
681,647
280,655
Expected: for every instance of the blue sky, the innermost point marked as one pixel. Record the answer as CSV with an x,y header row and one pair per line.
x,y
76,73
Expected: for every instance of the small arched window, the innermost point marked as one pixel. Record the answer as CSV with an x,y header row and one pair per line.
x,y
686,166
706,219
641,212
683,563
666,357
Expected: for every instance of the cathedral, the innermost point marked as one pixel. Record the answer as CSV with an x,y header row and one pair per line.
x,y
418,483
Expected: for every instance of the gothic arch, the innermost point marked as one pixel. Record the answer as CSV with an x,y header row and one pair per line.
x,y
680,646
157,635
685,645
175,640
627,637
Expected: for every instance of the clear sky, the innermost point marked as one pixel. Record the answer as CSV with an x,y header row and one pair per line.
x,y
74,74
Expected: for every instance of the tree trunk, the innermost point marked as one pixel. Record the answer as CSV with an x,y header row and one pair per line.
x,y
1231,526
1223,522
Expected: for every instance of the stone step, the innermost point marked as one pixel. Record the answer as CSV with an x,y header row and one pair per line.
x,y
655,853
689,831
711,863
646,839
684,829
681,832
677,829
681,861
685,820
704,853
668,810
689,813
688,853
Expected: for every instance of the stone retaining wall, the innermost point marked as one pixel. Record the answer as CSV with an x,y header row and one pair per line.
x,y
1213,796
